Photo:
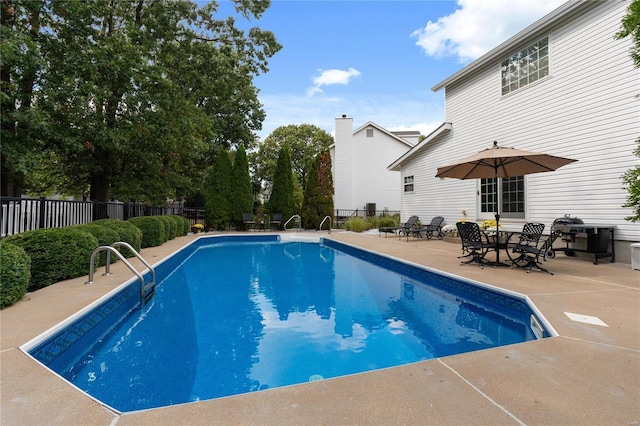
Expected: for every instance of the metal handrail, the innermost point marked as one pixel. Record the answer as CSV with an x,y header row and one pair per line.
x,y
323,221
297,217
109,249
127,245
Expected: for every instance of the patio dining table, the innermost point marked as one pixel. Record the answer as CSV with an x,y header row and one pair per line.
x,y
502,241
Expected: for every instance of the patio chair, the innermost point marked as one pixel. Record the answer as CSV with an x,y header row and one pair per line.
x,y
529,250
434,226
247,220
475,243
408,227
276,221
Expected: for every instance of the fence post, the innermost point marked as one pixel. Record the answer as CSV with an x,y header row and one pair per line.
x,y
42,212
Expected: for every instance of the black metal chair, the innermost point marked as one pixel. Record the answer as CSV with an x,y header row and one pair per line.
x,y
475,243
430,229
276,221
528,248
247,220
408,227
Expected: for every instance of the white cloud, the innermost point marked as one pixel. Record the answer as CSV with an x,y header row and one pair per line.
x,y
479,25
329,77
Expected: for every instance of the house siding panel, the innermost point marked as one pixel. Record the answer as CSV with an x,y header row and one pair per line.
x,y
585,109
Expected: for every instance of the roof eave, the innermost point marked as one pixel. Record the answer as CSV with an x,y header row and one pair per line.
x,y
506,47
396,165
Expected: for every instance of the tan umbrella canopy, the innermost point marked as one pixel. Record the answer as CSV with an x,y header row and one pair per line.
x,y
503,162
499,161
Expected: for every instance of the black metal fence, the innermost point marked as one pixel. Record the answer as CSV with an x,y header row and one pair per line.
x,y
24,214
342,215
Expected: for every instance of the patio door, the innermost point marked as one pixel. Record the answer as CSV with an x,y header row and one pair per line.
x,y
511,197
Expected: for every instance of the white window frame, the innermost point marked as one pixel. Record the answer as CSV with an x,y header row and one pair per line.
x,y
489,205
408,183
527,66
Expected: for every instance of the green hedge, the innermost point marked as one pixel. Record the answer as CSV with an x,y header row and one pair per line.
x,y
57,254
15,272
127,231
105,236
182,223
169,227
153,231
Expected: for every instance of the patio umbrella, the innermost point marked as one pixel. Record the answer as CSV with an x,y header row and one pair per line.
x,y
499,161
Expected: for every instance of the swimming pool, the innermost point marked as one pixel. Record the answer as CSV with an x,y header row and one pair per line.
x,y
237,314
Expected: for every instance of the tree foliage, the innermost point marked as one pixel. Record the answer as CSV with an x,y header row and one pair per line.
x,y
318,194
631,27
631,178
281,200
241,192
217,210
304,142
135,95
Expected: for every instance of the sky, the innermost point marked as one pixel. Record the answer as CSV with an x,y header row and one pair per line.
x,y
377,60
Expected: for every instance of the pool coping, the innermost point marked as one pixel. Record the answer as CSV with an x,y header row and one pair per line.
x,y
583,362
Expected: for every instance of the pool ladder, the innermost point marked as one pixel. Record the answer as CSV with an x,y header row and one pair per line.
x,y
146,290
297,219
323,221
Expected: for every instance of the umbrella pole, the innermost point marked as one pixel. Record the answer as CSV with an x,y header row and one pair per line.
x,y
497,215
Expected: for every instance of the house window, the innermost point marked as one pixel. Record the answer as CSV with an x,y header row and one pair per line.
x,y
408,184
511,199
369,133
526,66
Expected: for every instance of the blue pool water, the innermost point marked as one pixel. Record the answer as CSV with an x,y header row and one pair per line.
x,y
231,317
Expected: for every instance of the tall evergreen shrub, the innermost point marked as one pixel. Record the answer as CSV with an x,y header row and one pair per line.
x,y
281,200
241,194
217,208
318,194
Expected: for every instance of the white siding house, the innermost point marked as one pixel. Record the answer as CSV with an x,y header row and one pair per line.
x,y
360,158
564,86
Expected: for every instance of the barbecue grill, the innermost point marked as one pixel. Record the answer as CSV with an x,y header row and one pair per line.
x,y
560,225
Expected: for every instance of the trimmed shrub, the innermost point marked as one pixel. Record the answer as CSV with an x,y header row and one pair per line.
x,y
153,232
182,223
388,222
57,254
127,231
15,272
169,227
105,236
356,224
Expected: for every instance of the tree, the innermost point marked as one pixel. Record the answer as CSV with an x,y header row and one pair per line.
x,y
318,194
304,143
631,26
241,194
139,95
281,200
22,51
631,178
217,209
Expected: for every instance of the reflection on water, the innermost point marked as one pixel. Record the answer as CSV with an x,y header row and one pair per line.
x,y
237,318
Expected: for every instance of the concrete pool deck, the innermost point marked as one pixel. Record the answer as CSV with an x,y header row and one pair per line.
x,y
590,374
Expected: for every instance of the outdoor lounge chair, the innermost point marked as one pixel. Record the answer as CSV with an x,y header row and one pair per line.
x,y
528,248
247,220
276,221
475,243
434,226
408,227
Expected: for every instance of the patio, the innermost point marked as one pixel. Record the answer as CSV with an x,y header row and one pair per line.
x,y
590,374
